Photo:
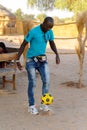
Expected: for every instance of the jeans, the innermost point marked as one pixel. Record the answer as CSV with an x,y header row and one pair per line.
x,y
42,67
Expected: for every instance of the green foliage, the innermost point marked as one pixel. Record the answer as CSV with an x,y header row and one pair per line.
x,y
79,5
61,4
41,17
28,17
71,5
42,5
19,14
31,2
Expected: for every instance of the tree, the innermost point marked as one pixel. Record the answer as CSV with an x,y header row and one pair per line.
x,y
19,14
42,5
71,5
28,17
41,17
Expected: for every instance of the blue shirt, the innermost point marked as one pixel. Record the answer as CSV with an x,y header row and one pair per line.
x,y
38,41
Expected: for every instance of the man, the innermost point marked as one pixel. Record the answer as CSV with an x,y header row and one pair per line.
x,y
3,49
37,60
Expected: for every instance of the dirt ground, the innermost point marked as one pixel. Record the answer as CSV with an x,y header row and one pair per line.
x,y
70,103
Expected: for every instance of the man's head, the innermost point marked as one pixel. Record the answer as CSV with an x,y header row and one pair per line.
x,y
3,47
48,23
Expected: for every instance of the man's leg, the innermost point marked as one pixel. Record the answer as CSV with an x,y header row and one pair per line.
x,y
31,82
31,85
45,77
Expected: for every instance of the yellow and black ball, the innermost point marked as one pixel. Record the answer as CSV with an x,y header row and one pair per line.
x,y
47,99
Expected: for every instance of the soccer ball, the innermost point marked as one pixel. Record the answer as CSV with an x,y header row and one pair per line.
x,y
47,99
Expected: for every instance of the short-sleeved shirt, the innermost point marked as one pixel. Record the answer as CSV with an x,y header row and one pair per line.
x,y
38,41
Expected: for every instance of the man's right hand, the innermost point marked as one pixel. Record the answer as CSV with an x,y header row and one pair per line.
x,y
19,66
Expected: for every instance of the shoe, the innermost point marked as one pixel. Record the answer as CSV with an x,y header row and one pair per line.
x,y
44,107
33,110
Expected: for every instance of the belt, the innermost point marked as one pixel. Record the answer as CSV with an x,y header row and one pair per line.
x,y
38,58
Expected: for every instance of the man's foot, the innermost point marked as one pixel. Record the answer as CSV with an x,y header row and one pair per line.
x,y
46,110
44,107
33,110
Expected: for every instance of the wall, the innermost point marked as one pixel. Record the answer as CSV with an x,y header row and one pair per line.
x,y
22,27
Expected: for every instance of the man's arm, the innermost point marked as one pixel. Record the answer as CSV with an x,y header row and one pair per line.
x,y
21,49
54,49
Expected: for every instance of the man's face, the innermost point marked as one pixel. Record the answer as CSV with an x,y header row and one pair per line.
x,y
47,26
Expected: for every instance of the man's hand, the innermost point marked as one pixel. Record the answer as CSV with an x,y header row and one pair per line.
x,y
19,66
57,59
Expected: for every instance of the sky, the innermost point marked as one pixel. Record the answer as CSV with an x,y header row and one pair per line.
x,y
22,4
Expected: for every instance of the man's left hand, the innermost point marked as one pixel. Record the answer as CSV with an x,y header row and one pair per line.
x,y
57,59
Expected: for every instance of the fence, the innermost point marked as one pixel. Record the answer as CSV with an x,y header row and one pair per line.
x,y
65,31
61,31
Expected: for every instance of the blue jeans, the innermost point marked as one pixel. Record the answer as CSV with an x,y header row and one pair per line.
x,y
42,67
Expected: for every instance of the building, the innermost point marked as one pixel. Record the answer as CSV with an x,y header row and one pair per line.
x,y
7,20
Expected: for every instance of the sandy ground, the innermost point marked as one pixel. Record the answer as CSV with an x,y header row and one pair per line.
x,y
70,103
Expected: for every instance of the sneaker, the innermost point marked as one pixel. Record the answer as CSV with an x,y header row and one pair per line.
x,y
33,110
44,107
